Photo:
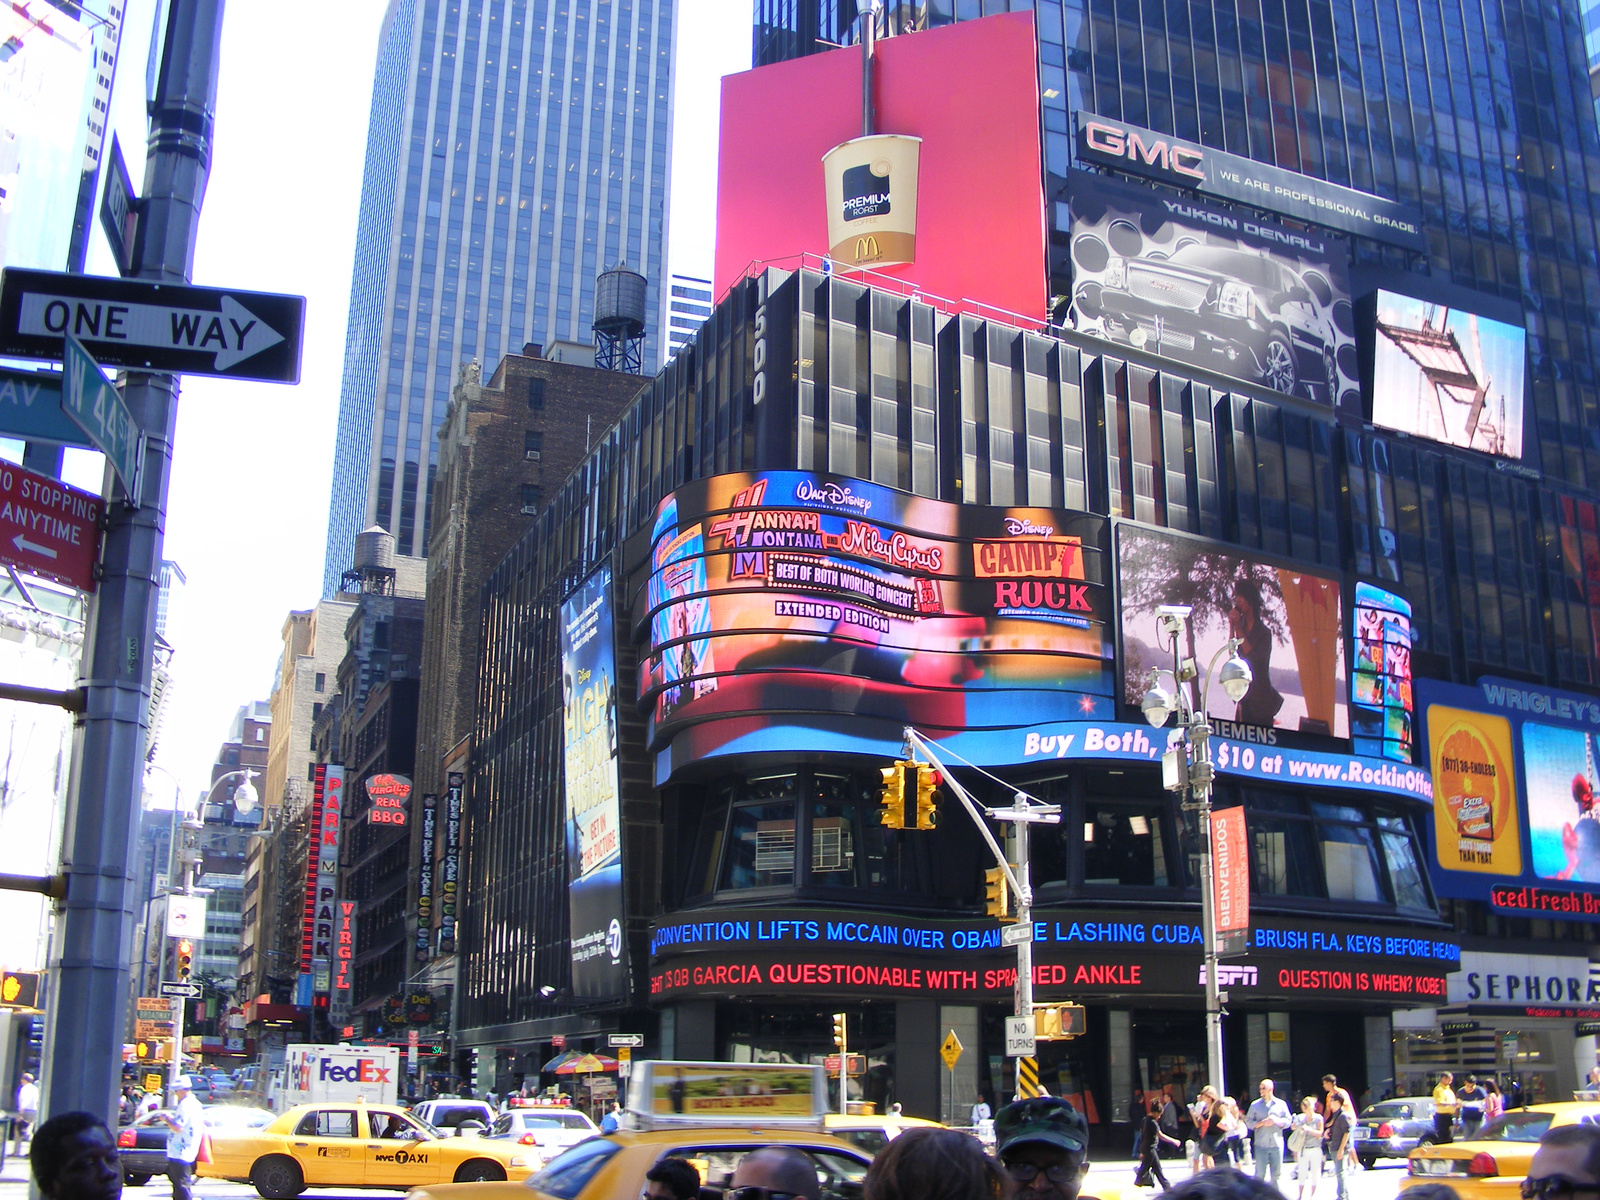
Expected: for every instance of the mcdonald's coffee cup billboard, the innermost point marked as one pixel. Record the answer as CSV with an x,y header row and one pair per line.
x,y
872,200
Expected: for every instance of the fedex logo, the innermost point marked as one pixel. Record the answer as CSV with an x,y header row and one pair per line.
x,y
1125,143
364,1070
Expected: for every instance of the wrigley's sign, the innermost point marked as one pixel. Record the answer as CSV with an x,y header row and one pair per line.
x,y
1211,172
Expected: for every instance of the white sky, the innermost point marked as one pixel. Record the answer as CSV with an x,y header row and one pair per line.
x,y
252,462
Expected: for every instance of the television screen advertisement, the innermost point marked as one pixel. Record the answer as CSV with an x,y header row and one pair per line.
x,y
1173,276
819,605
1516,820
593,790
1449,375
1381,703
1290,622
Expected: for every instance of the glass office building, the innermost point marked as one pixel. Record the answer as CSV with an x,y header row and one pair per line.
x,y
516,149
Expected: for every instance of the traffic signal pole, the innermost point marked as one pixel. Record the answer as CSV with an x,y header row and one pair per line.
x,y
1024,811
93,937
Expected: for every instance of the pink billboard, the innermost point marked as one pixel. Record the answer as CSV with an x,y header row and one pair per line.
x,y
970,92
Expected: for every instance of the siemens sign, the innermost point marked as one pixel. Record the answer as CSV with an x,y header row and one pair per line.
x,y
1189,165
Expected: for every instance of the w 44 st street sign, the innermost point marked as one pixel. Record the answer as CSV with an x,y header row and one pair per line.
x,y
146,326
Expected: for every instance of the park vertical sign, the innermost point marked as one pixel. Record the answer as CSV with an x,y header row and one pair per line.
x,y
593,789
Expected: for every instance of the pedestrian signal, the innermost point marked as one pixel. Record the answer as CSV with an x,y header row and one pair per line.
x,y
185,959
19,989
996,894
893,796
1058,1022
927,796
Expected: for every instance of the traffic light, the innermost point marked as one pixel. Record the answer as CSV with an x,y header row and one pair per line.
x,y
1058,1022
185,959
893,796
996,894
838,1030
927,796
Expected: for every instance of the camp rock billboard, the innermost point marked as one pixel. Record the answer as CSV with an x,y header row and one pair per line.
x,y
1172,276
824,607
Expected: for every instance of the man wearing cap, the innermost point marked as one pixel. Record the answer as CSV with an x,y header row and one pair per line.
x,y
1041,1143
186,1125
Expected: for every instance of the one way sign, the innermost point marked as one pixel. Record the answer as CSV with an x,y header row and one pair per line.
x,y
146,326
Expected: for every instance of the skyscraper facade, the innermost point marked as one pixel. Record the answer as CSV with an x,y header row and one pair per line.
x,y
516,148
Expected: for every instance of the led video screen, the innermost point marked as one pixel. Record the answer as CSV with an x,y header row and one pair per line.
x,y
813,600
1563,802
1290,623
1449,375
1380,676
1200,283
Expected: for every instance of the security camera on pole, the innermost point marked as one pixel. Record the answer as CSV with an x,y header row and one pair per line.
x,y
1187,768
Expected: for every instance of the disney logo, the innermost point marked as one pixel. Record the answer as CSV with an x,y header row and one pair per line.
x,y
830,493
1018,525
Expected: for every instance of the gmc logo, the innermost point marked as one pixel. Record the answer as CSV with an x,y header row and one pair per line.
x,y
1121,143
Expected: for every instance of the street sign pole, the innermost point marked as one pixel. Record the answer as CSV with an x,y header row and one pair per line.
x,y
91,945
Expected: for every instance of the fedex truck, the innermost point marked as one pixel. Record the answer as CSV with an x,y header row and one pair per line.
x,y
339,1074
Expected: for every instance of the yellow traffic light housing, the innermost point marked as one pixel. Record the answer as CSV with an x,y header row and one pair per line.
x,y
838,1030
185,959
996,894
927,796
893,796
1058,1023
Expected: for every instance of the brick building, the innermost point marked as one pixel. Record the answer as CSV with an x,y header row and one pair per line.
x,y
502,445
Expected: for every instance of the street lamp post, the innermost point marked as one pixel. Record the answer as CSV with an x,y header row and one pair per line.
x,y
1187,768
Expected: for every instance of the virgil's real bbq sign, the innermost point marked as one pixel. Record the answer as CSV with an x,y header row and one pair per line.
x,y
1211,172
759,593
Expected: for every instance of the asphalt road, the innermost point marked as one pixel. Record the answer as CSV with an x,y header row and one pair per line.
x,y
1107,1181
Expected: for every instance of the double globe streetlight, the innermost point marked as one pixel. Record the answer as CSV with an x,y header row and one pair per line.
x,y
1187,768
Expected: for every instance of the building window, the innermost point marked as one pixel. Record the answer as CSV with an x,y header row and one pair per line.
x,y
535,393
850,848
532,497
1349,853
311,768
316,711
1123,845
1285,850
261,735
320,683
760,847
533,444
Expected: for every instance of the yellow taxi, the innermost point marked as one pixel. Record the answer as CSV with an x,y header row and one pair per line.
x,y
358,1146
1491,1166
873,1133
712,1114
613,1166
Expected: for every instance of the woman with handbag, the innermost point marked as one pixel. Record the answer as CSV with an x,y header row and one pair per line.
x,y
1305,1139
1208,1126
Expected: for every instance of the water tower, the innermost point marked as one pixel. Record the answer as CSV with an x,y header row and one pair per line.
x,y
619,308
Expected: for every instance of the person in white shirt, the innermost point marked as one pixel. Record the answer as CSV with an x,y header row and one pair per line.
x,y
186,1125
27,1109
981,1111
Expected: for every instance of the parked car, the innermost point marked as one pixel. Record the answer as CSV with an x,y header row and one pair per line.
x,y
447,1115
552,1128
872,1134
142,1146
1393,1128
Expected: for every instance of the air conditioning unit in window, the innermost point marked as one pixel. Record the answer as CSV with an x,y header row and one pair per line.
x,y
535,455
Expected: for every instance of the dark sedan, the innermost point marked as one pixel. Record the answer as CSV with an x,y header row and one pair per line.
x,y
1393,1128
